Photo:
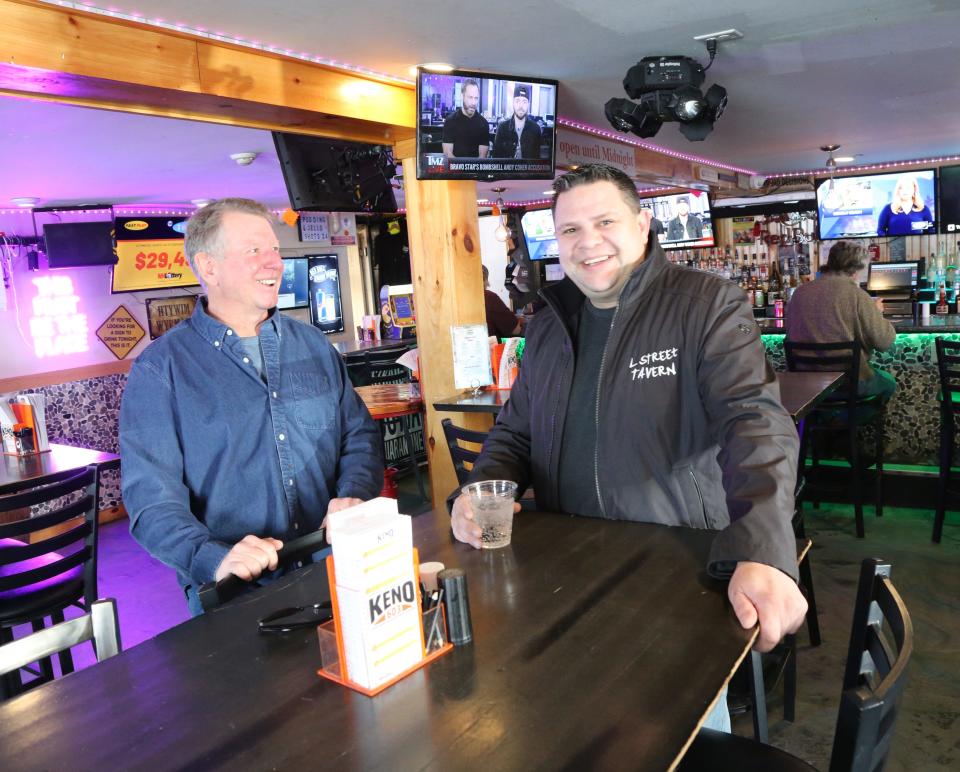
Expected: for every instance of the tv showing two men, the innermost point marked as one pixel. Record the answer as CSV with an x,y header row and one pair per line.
x,y
899,204
475,126
681,220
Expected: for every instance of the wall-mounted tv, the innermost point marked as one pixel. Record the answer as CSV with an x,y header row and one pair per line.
x,y
898,204
79,244
682,220
150,254
327,176
478,126
294,286
538,232
324,287
950,200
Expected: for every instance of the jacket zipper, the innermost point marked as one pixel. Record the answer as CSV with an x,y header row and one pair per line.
x,y
596,413
696,485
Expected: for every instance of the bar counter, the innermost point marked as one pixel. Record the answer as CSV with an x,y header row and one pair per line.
x,y
913,415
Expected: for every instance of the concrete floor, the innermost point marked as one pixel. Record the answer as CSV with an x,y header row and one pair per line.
x,y
927,576
927,735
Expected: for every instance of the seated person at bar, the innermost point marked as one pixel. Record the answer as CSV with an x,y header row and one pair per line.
x,y
501,321
645,395
239,428
834,308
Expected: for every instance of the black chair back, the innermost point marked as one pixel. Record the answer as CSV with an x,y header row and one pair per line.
x,y
881,644
461,455
35,576
948,364
826,357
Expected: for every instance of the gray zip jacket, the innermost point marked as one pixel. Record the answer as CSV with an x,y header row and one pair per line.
x,y
691,430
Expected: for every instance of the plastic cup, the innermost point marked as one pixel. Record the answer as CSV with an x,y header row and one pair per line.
x,y
492,503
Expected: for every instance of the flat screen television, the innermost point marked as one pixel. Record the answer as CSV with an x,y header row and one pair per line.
x,y
893,277
950,200
150,254
326,311
538,232
681,220
326,176
865,205
294,286
467,126
79,244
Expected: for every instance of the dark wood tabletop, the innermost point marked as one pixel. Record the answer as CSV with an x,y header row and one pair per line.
x,y
467,402
597,644
800,392
37,468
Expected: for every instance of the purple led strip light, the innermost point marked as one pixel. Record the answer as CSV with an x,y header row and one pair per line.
x,y
648,145
864,167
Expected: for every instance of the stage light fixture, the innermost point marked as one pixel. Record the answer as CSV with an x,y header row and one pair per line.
x,y
666,88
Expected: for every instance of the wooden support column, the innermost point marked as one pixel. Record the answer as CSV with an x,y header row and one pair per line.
x,y
443,229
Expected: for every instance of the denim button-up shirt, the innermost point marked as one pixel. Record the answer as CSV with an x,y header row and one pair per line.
x,y
211,452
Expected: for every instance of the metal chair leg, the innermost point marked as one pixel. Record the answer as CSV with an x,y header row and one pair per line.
x,y
946,460
806,582
855,474
759,699
880,423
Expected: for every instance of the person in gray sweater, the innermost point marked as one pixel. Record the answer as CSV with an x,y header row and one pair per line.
x,y
834,308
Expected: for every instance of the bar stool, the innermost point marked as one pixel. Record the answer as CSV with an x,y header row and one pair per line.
x,y
846,411
948,365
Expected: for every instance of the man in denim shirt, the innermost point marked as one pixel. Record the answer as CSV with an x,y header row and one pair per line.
x,y
239,428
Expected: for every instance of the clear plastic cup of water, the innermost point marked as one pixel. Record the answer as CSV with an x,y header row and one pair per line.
x,y
492,503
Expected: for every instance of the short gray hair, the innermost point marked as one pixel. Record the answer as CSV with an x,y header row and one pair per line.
x,y
205,225
846,257
590,173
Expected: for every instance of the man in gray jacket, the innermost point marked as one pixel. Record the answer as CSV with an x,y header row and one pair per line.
x,y
645,395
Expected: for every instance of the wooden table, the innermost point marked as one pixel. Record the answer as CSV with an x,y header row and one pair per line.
x,y
597,644
467,402
800,392
18,472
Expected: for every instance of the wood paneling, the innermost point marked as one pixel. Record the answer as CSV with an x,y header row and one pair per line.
x,y
253,76
443,229
55,39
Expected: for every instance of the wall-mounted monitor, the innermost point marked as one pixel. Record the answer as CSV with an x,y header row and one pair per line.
x,y
478,126
950,200
327,176
295,285
150,254
79,244
324,287
866,205
538,232
681,220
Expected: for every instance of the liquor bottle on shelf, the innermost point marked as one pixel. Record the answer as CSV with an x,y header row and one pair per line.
x,y
942,307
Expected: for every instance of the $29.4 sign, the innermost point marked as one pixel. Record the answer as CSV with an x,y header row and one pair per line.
x,y
151,264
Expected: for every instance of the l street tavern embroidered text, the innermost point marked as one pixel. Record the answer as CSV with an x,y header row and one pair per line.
x,y
644,368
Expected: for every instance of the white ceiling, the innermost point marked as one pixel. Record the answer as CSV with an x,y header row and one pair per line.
x,y
879,77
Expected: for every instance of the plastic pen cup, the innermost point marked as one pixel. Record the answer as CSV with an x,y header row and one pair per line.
x,y
492,503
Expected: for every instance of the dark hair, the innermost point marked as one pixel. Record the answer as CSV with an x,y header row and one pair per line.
x,y
204,226
468,82
486,272
591,173
845,257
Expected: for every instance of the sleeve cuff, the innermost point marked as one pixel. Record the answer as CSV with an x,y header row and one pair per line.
x,y
207,560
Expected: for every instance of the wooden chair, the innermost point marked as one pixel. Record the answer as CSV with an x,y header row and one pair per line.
x,y
461,455
948,365
881,644
844,411
99,625
41,579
